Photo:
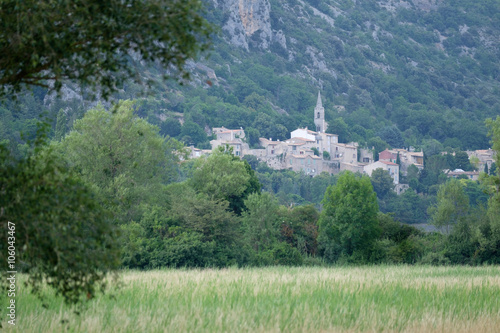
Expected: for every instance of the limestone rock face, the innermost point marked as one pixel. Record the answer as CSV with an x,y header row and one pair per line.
x,y
425,5
248,22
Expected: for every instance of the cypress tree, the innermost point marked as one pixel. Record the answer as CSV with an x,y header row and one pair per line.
x,y
61,122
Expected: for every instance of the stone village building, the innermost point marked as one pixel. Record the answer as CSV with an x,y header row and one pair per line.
x,y
297,153
484,157
406,158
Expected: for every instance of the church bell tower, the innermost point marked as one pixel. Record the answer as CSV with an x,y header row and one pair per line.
x,y
319,116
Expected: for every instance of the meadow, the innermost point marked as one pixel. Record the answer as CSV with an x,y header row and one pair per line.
x,y
281,299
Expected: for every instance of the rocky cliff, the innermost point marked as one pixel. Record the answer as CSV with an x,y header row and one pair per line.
x,y
247,21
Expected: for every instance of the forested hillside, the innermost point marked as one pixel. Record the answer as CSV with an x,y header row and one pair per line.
x,y
391,73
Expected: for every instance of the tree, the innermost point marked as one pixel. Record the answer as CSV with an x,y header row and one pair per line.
x,y
452,205
209,217
378,145
489,236
67,240
260,221
348,223
392,136
223,176
338,126
382,182
193,134
93,42
61,122
122,156
63,232
474,162
462,161
299,227
170,127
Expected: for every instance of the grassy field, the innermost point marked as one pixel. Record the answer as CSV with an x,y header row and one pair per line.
x,y
279,299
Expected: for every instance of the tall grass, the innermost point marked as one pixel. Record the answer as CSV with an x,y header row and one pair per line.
x,y
279,299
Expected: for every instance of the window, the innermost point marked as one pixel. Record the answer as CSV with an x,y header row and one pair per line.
x,y
317,115
272,151
237,153
294,148
291,161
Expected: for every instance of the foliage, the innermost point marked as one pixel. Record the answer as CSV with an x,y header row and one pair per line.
x,y
63,234
399,243
408,207
348,224
122,156
299,228
92,39
224,176
382,182
205,234
260,221
452,205
462,161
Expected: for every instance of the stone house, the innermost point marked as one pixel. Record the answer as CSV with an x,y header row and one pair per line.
x,y
406,158
225,134
196,153
393,169
485,157
472,175
310,164
297,153
237,144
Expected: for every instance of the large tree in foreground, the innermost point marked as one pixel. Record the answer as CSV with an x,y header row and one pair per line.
x,y
123,156
60,231
348,224
90,41
64,237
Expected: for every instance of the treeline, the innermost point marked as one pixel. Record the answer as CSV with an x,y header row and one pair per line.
x,y
117,168
18,125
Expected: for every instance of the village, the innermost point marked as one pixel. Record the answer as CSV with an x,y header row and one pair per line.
x,y
314,152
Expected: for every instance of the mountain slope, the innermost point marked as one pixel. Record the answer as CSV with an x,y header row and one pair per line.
x,y
421,73
429,67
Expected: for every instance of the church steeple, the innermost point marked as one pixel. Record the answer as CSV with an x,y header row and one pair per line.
x,y
319,104
319,115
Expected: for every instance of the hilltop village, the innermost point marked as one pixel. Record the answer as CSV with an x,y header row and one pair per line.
x,y
314,152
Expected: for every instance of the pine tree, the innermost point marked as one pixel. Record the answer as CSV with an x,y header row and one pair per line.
x,y
61,122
